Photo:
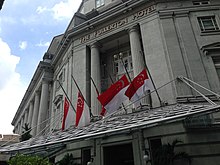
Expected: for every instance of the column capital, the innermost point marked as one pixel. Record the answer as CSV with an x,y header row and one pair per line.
x,y
96,45
31,102
134,28
45,80
37,92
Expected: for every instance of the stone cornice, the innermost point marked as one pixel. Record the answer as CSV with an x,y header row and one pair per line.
x,y
113,12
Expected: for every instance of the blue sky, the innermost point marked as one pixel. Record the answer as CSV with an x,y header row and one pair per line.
x,y
26,30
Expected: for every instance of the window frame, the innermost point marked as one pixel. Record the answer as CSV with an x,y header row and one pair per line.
x,y
58,112
213,27
201,2
61,78
118,66
99,3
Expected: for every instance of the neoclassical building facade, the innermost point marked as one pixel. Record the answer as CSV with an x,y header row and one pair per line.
x,y
172,38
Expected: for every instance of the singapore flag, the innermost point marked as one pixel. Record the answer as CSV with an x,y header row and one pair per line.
x,y
68,117
82,112
114,96
140,84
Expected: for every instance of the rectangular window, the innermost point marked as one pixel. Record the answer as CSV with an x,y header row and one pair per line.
x,y
201,2
99,3
216,61
208,24
61,78
155,145
119,68
118,154
57,117
60,81
86,156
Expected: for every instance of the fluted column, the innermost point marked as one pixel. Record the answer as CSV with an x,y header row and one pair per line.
x,y
30,114
35,113
26,116
22,124
96,76
19,127
43,106
16,129
137,58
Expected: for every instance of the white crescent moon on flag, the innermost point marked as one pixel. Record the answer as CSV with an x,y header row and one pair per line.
x,y
80,101
120,85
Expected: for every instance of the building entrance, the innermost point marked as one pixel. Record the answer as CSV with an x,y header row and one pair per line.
x,y
118,155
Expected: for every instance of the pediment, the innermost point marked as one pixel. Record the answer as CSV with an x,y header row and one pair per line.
x,y
211,49
215,45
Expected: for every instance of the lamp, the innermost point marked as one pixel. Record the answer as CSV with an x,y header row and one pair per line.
x,y
90,161
120,55
146,158
116,56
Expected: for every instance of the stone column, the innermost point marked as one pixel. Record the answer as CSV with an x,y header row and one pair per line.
x,y
96,76
16,129
22,124
30,114
19,127
137,57
43,106
35,113
26,116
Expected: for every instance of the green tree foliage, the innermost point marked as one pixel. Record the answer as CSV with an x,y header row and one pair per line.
x,y
166,154
26,133
20,159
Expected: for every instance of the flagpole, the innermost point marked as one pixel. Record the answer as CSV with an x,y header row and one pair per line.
x,y
113,83
142,54
120,57
67,97
97,91
108,74
91,115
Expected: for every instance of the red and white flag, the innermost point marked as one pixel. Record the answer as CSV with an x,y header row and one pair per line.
x,y
68,117
140,84
103,112
112,98
82,112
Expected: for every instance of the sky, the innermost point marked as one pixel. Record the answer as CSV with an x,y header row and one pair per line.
x,y
26,29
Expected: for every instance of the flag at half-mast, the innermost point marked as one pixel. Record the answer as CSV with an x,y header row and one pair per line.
x,y
103,111
82,112
68,116
140,84
114,96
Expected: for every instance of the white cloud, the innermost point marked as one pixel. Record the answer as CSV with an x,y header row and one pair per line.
x,y
23,45
11,87
41,9
43,44
61,10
